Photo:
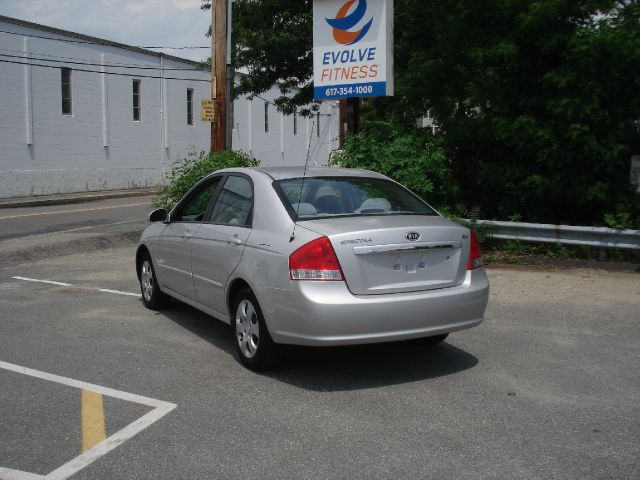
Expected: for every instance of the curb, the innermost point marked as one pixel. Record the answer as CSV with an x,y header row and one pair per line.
x,y
66,199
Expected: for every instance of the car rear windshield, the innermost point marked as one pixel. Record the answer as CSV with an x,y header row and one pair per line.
x,y
311,198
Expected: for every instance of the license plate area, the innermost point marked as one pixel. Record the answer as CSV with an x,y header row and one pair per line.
x,y
409,270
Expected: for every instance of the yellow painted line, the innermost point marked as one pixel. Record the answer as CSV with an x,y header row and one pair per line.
x,y
93,431
60,212
158,410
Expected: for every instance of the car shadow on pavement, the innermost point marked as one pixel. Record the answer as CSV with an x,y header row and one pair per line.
x,y
199,323
369,366
339,368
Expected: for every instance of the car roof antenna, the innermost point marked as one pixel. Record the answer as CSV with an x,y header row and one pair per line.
x,y
304,174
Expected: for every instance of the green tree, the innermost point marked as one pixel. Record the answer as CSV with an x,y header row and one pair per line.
x,y
537,100
272,42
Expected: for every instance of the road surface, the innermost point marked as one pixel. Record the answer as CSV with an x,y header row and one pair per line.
x,y
22,222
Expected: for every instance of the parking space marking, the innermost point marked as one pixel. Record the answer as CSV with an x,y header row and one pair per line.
x,y
51,282
60,212
62,284
118,292
8,474
92,413
160,409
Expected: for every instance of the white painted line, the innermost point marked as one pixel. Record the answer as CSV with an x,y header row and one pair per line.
x,y
62,284
129,397
118,292
102,225
8,474
160,409
115,440
51,282
62,212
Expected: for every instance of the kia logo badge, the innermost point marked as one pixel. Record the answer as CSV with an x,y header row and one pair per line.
x,y
412,236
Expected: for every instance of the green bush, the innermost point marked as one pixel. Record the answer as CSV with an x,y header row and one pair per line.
x,y
415,158
195,166
625,216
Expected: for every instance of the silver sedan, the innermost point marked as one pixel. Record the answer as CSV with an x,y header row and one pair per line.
x,y
329,256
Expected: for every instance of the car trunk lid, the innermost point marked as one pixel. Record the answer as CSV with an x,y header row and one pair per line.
x,y
394,254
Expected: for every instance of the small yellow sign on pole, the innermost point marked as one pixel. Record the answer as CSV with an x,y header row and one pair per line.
x,y
207,111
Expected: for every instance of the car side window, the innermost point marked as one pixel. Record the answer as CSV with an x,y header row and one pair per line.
x,y
233,205
195,208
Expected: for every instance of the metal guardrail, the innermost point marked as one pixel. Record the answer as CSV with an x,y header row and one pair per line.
x,y
563,234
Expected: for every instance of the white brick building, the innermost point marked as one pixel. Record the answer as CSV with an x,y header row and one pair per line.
x,y
79,113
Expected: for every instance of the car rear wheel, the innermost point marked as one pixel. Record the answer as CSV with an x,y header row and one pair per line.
x,y
252,340
152,297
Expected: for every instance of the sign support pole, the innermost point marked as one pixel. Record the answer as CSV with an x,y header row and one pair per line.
x,y
349,118
353,116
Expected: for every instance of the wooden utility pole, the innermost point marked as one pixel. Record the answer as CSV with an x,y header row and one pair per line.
x,y
219,73
213,71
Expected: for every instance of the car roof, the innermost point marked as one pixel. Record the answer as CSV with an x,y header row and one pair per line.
x,y
282,173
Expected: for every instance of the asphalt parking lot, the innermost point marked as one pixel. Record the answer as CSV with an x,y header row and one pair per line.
x,y
547,387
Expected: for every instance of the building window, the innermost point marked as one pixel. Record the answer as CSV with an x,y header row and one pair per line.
x,y
318,124
266,117
189,106
137,109
295,120
65,81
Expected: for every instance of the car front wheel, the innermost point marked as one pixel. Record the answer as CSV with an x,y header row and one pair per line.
x,y
152,297
251,336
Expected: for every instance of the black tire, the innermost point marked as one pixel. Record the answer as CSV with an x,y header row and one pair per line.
x,y
429,341
152,297
251,337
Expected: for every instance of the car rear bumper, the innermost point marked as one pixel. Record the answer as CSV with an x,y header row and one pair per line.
x,y
326,313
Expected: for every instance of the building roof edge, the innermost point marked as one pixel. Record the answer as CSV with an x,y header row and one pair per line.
x,y
94,40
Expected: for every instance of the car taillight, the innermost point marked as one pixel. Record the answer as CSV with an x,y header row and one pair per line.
x,y
315,260
475,257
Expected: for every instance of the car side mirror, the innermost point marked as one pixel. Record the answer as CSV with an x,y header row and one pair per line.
x,y
159,215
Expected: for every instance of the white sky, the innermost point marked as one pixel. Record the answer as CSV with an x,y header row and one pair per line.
x,y
134,22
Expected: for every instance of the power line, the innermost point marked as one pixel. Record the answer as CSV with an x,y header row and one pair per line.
x,y
178,48
24,57
100,64
108,73
113,73
106,42
22,53
257,96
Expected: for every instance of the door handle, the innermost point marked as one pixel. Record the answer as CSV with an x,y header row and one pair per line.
x,y
187,234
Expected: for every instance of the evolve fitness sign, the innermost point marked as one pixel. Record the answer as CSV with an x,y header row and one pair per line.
x,y
352,48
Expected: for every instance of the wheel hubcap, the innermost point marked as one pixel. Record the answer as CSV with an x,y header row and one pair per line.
x,y
247,328
146,279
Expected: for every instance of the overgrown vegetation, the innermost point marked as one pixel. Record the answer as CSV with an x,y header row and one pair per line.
x,y
512,252
412,157
195,166
536,102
